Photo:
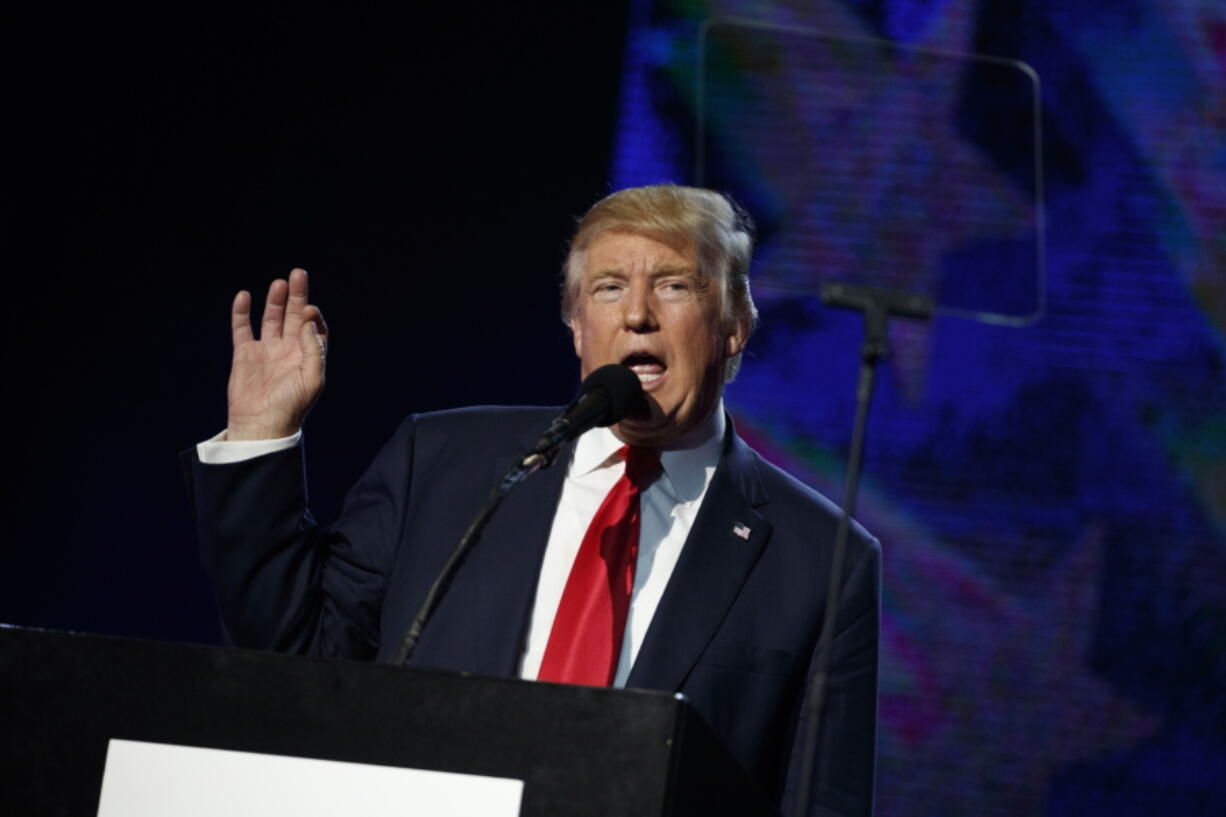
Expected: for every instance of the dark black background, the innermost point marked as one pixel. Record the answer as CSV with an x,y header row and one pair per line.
x,y
426,171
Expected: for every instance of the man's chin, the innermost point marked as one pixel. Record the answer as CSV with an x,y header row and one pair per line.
x,y
653,432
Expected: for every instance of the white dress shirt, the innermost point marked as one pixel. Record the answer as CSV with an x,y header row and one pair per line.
x,y
668,508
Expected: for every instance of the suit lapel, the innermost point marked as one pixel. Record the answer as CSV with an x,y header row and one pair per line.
x,y
719,553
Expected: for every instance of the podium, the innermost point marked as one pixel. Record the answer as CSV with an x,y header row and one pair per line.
x,y
578,750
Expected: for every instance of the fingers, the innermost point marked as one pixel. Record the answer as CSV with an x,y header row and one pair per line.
x,y
240,318
274,310
296,303
286,310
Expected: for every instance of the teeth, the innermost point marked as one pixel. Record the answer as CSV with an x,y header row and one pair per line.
x,y
648,371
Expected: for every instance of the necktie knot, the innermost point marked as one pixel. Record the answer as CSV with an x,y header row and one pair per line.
x,y
642,465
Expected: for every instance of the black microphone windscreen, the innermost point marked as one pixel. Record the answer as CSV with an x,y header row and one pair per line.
x,y
625,392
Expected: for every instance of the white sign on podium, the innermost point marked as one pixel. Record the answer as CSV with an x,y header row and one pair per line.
x,y
157,779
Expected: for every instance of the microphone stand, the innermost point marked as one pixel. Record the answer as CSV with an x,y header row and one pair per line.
x,y
605,396
878,305
522,469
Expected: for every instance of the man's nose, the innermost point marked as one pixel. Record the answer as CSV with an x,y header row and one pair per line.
x,y
638,312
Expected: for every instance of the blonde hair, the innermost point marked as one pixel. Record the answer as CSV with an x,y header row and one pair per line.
x,y
716,230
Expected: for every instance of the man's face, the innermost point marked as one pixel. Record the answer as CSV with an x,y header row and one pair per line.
x,y
644,305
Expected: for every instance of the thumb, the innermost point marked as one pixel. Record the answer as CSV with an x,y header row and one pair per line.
x,y
314,346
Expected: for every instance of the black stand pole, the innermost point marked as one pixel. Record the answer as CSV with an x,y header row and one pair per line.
x,y
877,305
518,473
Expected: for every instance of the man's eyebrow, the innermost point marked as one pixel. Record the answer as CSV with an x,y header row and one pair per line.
x,y
673,269
656,272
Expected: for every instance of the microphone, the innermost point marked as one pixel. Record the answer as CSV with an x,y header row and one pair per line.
x,y
605,397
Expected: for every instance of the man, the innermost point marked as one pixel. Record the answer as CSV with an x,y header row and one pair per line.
x,y
722,590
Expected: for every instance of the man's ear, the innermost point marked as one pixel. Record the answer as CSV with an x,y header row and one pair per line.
x,y
576,335
734,344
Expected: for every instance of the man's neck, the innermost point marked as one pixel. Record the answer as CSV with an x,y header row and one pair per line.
x,y
710,428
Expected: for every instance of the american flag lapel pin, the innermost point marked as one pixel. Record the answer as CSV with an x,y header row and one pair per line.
x,y
741,531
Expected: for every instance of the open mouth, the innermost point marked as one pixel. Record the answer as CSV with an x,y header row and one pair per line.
x,y
649,368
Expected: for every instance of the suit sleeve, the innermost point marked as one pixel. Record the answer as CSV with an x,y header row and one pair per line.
x,y
284,583
842,783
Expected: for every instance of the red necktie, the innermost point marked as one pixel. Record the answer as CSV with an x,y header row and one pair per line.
x,y
586,638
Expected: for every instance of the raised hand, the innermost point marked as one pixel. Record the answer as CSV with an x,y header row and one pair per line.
x,y
276,379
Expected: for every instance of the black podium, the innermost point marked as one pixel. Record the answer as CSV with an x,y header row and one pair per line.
x,y
579,750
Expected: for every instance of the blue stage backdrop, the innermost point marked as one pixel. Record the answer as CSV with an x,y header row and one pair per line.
x,y
1051,499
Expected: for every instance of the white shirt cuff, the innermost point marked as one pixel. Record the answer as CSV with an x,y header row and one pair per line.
x,y
218,450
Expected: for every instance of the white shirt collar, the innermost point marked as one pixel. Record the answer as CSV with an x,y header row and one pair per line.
x,y
686,462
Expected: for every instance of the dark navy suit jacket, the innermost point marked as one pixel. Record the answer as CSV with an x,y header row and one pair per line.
x,y
735,631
